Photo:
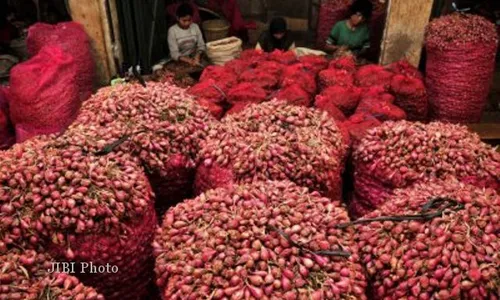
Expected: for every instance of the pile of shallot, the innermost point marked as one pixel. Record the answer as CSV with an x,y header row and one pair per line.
x,y
274,141
80,206
399,154
25,276
267,240
450,252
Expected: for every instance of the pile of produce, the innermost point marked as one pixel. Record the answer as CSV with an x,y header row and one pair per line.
x,y
25,276
274,141
267,240
435,241
165,126
461,51
399,154
80,206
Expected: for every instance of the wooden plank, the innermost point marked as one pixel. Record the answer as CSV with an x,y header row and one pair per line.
x,y
487,131
404,30
88,13
117,45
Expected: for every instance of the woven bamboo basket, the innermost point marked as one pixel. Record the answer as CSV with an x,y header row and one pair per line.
x,y
215,29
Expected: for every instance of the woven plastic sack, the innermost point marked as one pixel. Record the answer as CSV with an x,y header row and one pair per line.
x,y
208,90
44,93
294,94
344,98
7,136
299,74
260,77
335,77
224,77
347,63
373,75
221,51
283,57
411,96
314,63
73,40
246,92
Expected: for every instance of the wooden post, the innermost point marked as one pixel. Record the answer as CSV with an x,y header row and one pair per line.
x,y
404,30
92,14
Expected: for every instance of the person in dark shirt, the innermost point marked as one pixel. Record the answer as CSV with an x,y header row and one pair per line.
x,y
352,34
276,38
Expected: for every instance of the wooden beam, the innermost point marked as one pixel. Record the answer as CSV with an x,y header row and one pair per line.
x,y
404,30
89,13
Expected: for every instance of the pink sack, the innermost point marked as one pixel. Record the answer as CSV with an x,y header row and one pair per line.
x,y
44,94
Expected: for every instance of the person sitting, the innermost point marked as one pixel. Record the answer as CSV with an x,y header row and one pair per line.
x,y
276,38
185,40
352,34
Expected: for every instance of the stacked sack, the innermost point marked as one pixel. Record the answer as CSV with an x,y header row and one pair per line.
x,y
257,77
361,98
437,240
266,240
274,141
400,154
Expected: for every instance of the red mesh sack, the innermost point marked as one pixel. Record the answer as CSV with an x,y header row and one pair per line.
x,y
283,57
331,109
330,12
224,77
253,56
44,94
347,63
259,77
299,74
403,67
208,90
378,92
237,107
315,63
332,77
271,67
411,96
73,40
294,94
237,66
461,52
359,124
7,137
246,92
216,110
382,110
344,98
371,75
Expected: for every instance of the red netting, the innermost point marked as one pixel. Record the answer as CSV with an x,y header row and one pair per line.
x,y
344,98
411,96
260,77
461,52
72,39
44,94
237,107
331,109
314,63
371,75
347,63
403,67
379,93
299,74
246,92
382,110
224,77
7,136
271,67
330,12
359,124
253,55
283,57
237,66
294,94
216,110
209,90
335,77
